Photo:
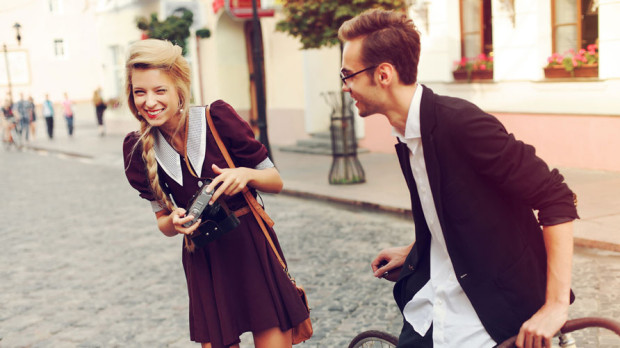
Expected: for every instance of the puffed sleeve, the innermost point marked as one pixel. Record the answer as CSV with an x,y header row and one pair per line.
x,y
135,168
237,136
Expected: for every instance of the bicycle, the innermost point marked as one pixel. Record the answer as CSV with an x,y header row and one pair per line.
x,y
374,339
11,135
380,339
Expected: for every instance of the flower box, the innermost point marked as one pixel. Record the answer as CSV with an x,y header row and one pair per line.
x,y
481,75
558,72
460,75
476,75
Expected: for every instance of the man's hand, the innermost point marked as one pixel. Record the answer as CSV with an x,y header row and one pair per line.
x,y
542,326
389,259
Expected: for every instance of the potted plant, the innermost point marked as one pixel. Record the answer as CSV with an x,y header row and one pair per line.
x,y
474,69
582,63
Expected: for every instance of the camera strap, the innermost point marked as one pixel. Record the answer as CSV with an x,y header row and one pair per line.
x,y
259,213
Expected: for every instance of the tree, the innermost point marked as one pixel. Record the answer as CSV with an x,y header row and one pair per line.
x,y
174,29
316,22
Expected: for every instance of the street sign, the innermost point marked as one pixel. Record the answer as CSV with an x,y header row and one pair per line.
x,y
242,9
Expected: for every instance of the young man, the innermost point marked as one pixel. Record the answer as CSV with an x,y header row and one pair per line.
x,y
481,268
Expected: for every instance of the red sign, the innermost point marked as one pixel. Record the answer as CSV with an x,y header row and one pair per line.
x,y
217,5
242,9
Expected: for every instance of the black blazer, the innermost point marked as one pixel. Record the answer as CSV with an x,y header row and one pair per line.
x,y
486,186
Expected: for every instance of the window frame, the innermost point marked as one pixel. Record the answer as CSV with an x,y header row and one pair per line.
x,y
577,24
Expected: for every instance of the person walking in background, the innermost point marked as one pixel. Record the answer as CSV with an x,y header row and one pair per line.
x,y
33,116
48,114
9,118
481,268
67,107
24,116
222,306
100,107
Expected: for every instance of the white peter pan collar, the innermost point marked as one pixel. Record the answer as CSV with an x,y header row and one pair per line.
x,y
170,160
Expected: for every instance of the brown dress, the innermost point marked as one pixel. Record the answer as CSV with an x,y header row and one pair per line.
x,y
235,284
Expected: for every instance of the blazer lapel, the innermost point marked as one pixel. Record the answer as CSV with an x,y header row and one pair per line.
x,y
428,122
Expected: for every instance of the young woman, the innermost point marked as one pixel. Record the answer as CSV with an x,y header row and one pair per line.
x,y
235,283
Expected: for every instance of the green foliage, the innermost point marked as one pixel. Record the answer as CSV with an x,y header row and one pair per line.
x,y
174,29
203,33
316,22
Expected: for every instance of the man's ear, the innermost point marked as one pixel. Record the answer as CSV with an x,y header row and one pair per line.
x,y
386,73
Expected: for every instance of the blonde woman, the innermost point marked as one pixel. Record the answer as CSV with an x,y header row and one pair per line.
x,y
235,283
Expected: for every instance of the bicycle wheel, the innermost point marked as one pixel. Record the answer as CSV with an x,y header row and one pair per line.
x,y
17,138
374,339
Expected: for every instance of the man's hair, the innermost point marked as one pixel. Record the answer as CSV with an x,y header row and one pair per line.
x,y
388,36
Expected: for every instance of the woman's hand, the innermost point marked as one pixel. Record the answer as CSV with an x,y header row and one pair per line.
x,y
233,180
230,180
172,224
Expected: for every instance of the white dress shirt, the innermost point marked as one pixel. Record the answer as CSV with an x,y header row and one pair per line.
x,y
441,302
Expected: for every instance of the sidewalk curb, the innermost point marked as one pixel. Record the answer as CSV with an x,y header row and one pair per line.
x,y
56,151
406,213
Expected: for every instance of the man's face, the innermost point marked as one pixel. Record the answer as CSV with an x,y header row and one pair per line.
x,y
362,86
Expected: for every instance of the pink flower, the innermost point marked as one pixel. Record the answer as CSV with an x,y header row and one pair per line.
x,y
592,48
483,67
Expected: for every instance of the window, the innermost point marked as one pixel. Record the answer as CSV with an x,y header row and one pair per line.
x,y
574,23
55,6
476,28
59,48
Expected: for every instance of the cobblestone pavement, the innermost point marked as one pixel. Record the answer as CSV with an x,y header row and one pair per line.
x,y
83,265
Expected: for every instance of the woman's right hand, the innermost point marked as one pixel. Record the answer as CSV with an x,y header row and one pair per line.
x,y
172,224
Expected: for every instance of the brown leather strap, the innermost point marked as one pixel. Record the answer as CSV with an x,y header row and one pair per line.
x,y
242,211
258,211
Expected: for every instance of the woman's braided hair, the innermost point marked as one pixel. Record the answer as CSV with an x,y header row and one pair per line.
x,y
157,54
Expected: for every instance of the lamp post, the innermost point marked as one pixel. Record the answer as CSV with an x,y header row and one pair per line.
x,y
17,26
259,78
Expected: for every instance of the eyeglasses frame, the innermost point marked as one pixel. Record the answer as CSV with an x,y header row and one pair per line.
x,y
345,78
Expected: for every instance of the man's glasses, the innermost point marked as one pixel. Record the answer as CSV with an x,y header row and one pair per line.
x,y
344,77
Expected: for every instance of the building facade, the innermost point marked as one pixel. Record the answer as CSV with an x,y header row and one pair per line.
x,y
75,46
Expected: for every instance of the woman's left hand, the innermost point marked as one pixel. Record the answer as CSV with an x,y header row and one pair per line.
x,y
233,181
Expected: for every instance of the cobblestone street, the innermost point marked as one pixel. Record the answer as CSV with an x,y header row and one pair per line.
x,y
83,264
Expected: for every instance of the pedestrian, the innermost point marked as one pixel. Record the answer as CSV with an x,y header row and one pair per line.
x,y
23,109
9,119
33,115
100,107
235,283
48,114
481,268
67,107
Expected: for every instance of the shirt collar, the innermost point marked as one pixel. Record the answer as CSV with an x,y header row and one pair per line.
x,y
170,160
412,127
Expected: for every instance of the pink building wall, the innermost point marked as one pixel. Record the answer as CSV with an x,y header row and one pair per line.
x,y
576,141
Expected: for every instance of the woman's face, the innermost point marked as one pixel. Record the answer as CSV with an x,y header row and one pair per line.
x,y
156,98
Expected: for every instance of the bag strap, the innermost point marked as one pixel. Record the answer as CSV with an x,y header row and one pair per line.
x,y
258,211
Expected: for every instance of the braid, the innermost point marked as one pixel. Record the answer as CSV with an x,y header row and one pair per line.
x,y
148,154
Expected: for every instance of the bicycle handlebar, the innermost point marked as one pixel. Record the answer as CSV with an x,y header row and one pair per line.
x,y
574,325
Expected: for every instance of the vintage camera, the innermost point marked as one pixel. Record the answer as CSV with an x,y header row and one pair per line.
x,y
216,218
199,204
